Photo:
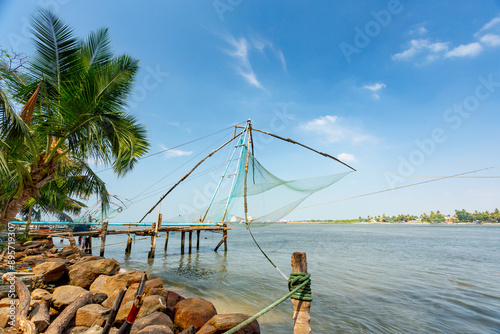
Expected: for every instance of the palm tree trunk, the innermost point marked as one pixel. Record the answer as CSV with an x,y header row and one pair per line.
x,y
15,205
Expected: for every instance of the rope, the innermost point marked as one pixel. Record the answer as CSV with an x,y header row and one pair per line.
x,y
304,293
269,308
267,257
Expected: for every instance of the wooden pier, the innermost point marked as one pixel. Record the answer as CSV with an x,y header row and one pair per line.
x,y
154,232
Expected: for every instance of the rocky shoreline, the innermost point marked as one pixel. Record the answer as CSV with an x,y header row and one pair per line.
x,y
59,280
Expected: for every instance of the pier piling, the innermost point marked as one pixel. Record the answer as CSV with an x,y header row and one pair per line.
x,y
128,249
198,240
190,240
166,242
104,229
183,236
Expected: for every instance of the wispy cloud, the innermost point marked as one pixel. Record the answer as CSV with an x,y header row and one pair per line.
x,y
174,153
332,129
347,157
424,51
375,88
466,50
240,51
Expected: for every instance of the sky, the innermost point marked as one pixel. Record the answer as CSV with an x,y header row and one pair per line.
x,y
400,90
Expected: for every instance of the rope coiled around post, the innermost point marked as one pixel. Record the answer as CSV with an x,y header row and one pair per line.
x,y
297,279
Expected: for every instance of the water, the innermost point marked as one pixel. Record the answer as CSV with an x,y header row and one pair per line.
x,y
366,278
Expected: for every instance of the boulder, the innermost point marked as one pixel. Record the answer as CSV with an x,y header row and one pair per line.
x,y
84,273
158,291
130,294
33,259
39,315
154,283
4,317
193,311
98,298
156,318
51,271
66,251
156,329
110,284
59,260
221,323
189,330
91,314
150,305
41,294
65,295
75,330
93,330
172,299
37,243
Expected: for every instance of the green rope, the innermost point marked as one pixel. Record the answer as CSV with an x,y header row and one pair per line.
x,y
303,293
307,281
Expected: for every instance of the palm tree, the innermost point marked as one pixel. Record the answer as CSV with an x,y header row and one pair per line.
x,y
74,94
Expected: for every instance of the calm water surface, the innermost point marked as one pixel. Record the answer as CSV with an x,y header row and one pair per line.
x,y
366,278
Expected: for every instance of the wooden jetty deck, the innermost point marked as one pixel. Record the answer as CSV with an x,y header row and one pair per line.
x,y
153,232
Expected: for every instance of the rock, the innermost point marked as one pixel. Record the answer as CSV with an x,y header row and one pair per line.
x,y
59,260
193,311
98,298
156,318
34,259
189,330
4,317
19,255
110,284
75,330
33,281
156,329
11,330
53,313
37,243
223,322
158,291
6,302
66,251
91,314
41,294
150,305
172,299
65,295
51,271
39,315
154,283
93,330
83,274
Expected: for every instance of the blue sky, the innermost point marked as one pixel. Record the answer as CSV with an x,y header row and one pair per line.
x,y
390,87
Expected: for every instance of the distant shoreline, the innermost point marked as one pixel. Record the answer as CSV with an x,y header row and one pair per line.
x,y
387,223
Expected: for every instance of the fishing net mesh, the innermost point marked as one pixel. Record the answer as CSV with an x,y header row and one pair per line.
x,y
269,198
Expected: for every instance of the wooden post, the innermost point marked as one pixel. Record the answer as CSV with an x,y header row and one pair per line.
x,y
183,236
104,229
190,240
301,318
128,249
166,241
156,227
72,242
88,245
225,237
220,243
198,240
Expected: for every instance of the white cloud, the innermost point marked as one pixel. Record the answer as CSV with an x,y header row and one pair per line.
x,y
347,157
174,153
467,50
494,22
421,46
375,88
331,129
240,51
490,40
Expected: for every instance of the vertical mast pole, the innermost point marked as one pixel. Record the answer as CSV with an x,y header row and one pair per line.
x,y
246,171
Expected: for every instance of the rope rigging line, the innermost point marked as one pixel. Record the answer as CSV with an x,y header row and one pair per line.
x,y
386,190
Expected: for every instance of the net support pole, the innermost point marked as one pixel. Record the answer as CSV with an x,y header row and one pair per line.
x,y
301,308
198,240
190,241
249,127
104,230
154,235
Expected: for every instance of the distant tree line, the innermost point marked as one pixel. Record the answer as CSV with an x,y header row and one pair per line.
x,y
460,216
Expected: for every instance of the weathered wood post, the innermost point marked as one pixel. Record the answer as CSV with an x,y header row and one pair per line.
x,y
301,318
88,245
104,229
183,236
166,241
128,249
190,240
225,237
156,226
198,240
72,242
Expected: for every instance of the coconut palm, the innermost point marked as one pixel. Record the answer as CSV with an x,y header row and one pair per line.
x,y
74,94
